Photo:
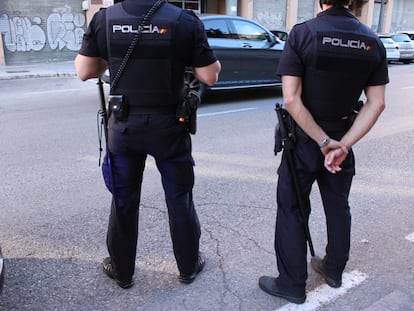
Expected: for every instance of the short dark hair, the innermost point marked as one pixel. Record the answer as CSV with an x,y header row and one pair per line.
x,y
335,3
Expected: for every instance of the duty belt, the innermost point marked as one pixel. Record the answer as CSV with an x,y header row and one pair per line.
x,y
341,124
152,109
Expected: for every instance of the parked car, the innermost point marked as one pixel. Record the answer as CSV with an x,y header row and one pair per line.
x,y
392,49
1,271
406,47
282,34
409,33
249,53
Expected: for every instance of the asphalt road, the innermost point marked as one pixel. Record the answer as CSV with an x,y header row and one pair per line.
x,y
54,207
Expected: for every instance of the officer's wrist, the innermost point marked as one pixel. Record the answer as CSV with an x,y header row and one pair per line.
x,y
324,142
346,146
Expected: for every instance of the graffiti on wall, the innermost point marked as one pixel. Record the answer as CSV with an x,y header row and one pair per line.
x,y
270,20
22,34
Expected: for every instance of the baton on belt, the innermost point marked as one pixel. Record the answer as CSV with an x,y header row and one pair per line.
x,y
288,146
103,114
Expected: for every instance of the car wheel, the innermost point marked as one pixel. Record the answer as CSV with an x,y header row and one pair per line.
x,y
1,271
194,84
407,61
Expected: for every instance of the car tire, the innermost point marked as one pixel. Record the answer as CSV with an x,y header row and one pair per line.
x,y
407,61
191,81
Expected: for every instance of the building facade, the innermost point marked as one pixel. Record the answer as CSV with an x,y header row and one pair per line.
x,y
34,31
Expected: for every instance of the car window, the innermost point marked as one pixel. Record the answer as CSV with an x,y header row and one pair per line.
x,y
282,35
250,31
216,28
401,38
387,40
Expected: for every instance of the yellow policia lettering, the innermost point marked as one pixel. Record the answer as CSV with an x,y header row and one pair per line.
x,y
146,29
352,44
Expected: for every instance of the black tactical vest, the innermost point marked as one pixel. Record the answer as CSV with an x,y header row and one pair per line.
x,y
153,79
341,64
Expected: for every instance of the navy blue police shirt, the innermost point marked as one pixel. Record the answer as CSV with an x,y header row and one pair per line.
x,y
337,57
190,44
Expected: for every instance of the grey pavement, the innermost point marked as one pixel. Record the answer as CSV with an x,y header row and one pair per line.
x,y
47,271
38,70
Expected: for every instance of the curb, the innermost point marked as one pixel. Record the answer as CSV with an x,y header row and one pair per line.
x,y
13,76
41,70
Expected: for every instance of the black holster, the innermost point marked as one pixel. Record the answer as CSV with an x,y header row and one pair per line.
x,y
187,110
278,140
117,105
289,125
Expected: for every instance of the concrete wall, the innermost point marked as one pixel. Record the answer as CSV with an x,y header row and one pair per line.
x,y
270,13
306,10
402,15
286,13
35,31
2,60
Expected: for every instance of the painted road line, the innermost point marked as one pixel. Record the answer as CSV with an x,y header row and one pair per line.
x,y
223,112
410,237
407,88
324,294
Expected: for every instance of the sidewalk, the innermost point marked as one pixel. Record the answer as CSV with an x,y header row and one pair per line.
x,y
40,70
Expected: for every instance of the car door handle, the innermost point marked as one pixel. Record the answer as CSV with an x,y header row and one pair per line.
x,y
246,45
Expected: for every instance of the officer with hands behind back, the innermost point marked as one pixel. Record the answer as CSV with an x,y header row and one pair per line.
x,y
326,64
150,86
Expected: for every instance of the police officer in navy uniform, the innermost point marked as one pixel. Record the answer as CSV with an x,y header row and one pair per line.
x,y
152,85
326,64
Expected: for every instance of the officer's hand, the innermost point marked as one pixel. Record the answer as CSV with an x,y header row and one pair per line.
x,y
332,145
334,158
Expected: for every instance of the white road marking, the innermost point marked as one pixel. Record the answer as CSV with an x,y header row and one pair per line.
x,y
223,112
324,294
407,88
410,237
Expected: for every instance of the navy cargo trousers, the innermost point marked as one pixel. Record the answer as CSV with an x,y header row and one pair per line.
x,y
168,141
290,236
